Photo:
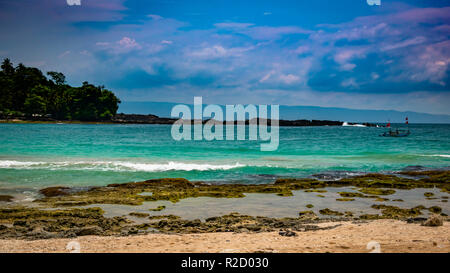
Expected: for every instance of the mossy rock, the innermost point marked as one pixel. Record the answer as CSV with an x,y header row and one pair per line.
x,y
55,191
345,199
328,211
435,209
351,194
377,191
6,198
139,214
316,190
307,215
393,212
175,189
59,223
159,208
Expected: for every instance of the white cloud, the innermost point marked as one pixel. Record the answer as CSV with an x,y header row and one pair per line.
x,y
267,76
65,53
289,78
233,25
155,16
218,51
351,83
128,43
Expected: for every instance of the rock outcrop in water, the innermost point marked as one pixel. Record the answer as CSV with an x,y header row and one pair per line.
x,y
152,119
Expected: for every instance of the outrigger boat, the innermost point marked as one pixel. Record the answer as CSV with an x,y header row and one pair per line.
x,y
396,132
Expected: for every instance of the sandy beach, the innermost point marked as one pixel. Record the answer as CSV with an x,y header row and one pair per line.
x,y
392,236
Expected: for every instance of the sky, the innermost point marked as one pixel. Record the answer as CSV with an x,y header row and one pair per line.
x,y
347,53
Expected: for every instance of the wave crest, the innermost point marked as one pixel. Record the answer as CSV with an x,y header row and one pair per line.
x,y
116,166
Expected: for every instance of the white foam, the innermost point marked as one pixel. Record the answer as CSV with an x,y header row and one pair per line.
x,y
353,125
14,164
440,155
116,166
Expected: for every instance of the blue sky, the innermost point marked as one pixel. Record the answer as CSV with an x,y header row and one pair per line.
x,y
324,53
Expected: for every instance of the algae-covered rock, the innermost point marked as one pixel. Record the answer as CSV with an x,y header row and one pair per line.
x,y
6,198
345,199
159,208
139,214
37,223
351,194
435,209
54,191
377,191
316,190
307,215
394,212
175,189
328,211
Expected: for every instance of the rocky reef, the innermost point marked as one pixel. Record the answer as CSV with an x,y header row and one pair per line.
x,y
175,189
33,223
60,211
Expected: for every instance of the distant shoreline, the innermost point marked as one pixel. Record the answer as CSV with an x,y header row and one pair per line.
x,y
153,119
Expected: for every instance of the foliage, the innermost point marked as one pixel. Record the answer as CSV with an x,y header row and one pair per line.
x,y
27,91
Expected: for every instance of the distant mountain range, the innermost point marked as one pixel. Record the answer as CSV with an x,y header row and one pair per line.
x,y
163,109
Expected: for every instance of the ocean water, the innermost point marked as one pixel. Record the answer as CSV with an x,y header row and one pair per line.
x,y
33,156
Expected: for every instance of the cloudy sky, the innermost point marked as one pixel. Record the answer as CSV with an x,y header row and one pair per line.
x,y
326,53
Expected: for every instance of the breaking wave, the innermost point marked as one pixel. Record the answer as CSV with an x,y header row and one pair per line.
x,y
116,166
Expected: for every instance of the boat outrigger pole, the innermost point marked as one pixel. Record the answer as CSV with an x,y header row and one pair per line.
x,y
397,132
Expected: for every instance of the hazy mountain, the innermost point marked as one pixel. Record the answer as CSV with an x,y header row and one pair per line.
x,y
163,109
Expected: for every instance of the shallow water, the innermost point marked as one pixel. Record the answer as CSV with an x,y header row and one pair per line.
x,y
272,205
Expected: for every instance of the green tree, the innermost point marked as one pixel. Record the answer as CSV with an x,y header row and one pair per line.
x,y
34,104
26,89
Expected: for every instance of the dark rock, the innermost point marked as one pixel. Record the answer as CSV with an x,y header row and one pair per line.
x,y
152,119
287,233
253,227
40,234
85,231
6,198
141,119
193,223
54,191
21,223
133,230
416,220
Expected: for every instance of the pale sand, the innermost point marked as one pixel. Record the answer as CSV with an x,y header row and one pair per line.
x,y
392,235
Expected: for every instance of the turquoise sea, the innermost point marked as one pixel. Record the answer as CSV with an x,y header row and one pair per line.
x,y
33,156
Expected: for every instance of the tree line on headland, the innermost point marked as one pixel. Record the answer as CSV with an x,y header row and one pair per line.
x,y
27,92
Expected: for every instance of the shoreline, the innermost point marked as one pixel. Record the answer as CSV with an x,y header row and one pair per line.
x,y
153,119
392,235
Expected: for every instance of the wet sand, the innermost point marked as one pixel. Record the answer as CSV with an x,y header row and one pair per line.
x,y
391,235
